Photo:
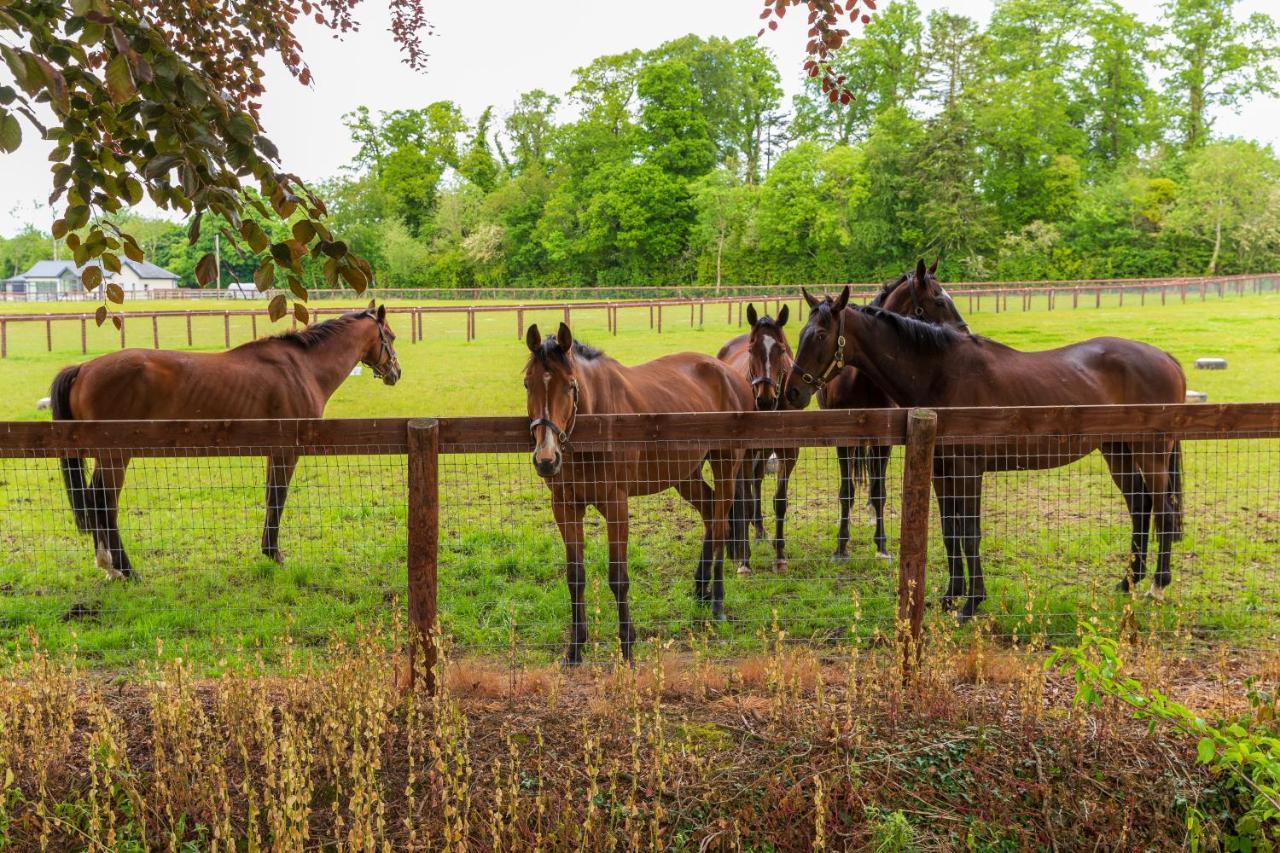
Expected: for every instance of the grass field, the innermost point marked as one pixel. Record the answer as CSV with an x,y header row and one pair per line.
x,y
1054,541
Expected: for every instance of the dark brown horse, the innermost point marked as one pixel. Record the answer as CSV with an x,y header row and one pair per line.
x,y
289,376
763,357
565,379
916,294
919,364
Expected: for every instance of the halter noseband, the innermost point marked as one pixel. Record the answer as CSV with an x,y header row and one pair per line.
x,y
562,435
834,367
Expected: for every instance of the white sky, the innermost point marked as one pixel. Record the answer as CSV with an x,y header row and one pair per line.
x,y
489,53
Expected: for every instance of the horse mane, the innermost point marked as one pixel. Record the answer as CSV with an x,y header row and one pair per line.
x,y
921,334
550,351
312,335
886,290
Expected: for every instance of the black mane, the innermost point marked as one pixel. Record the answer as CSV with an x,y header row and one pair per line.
x,y
886,290
921,334
549,351
320,332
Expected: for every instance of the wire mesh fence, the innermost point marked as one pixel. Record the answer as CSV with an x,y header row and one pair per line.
x,y
1055,541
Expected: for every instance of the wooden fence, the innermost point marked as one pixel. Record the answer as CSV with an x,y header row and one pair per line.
x,y
970,299
423,441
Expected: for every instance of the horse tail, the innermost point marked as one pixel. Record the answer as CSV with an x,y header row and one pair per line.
x,y
1175,490
72,467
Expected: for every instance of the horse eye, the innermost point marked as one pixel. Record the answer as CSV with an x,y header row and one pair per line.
x,y
526,385
941,303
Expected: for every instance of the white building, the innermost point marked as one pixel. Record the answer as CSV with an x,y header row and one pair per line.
x,y
61,279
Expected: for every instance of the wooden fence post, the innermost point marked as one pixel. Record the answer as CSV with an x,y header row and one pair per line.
x,y
188,328
48,335
84,336
659,318
155,332
122,325
913,551
4,338
424,541
226,328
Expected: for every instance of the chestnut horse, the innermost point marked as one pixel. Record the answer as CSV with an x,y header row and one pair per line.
x,y
917,294
564,379
919,364
763,358
289,376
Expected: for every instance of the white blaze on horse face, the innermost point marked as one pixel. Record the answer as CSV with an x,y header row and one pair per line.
x,y
547,447
768,350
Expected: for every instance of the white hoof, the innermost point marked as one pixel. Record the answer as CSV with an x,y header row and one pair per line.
x,y
888,558
1155,593
105,563
744,569
780,566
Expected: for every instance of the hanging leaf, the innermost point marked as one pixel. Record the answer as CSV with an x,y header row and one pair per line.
x,y
132,250
111,261
254,235
117,322
276,307
264,276
300,312
354,277
100,316
303,231
10,133
77,217
120,80
207,269
115,293
296,288
91,278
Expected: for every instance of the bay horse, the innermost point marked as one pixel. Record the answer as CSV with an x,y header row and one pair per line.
x,y
564,379
763,357
919,364
292,375
916,294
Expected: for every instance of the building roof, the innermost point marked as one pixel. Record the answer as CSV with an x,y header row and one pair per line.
x,y
55,269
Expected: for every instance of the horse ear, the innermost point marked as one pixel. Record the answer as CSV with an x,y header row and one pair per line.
x,y
382,313
533,338
842,301
752,316
373,303
921,273
933,269
564,338
782,315
813,303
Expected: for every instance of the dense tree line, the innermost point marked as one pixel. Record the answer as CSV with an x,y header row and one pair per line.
x,y
1035,147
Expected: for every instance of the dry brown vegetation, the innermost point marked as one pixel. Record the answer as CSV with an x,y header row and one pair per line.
x,y
793,750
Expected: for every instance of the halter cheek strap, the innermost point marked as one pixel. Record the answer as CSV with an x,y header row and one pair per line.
x,y
385,355
562,435
836,365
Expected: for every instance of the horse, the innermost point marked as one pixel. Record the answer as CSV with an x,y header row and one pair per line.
x,y
292,375
763,358
564,379
919,364
917,294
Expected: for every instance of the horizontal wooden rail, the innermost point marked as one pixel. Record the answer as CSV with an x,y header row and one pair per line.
x,y
591,433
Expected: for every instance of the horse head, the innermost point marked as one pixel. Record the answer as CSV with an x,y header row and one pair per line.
x,y
769,357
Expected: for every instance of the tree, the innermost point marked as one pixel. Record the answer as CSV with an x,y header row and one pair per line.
x,y
1227,185
676,132
724,206
1214,60
530,128
160,100
1119,105
478,164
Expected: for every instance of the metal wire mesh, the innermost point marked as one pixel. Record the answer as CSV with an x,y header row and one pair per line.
x,y
1054,544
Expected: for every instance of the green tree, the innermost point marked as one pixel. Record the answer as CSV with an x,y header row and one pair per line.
x,y
1120,107
478,164
530,127
1227,185
724,207
676,133
1214,60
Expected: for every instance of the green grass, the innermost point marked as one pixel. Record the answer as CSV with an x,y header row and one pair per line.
x,y
1054,542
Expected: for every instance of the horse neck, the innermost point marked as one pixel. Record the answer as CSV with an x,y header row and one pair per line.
x,y
597,378
331,361
885,356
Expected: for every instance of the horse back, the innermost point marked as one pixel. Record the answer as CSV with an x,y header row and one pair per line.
x,y
681,382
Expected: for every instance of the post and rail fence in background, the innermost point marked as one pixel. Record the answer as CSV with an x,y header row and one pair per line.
x,y
971,299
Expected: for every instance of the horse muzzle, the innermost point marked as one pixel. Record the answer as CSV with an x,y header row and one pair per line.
x,y
547,467
798,394
391,375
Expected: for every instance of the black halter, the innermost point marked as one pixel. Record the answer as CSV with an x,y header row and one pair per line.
x,y
562,435
386,354
834,367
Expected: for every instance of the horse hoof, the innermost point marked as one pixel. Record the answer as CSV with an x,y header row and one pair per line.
x,y
744,569
717,614
780,566
841,556
103,558
884,555
1155,593
275,557
948,602
970,609
1123,586
570,662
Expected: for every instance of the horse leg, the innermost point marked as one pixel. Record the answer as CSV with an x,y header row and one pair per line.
x,y
968,526
877,474
950,539
568,517
844,456
1154,461
108,480
1128,478
280,469
757,462
786,464
725,466
696,491
617,520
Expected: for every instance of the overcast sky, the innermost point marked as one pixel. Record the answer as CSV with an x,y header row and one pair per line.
x,y
487,54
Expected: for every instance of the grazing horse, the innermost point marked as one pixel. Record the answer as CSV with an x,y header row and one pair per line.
x,y
917,294
288,376
565,379
919,364
763,358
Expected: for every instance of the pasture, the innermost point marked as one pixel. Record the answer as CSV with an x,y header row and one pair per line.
x,y
1055,541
